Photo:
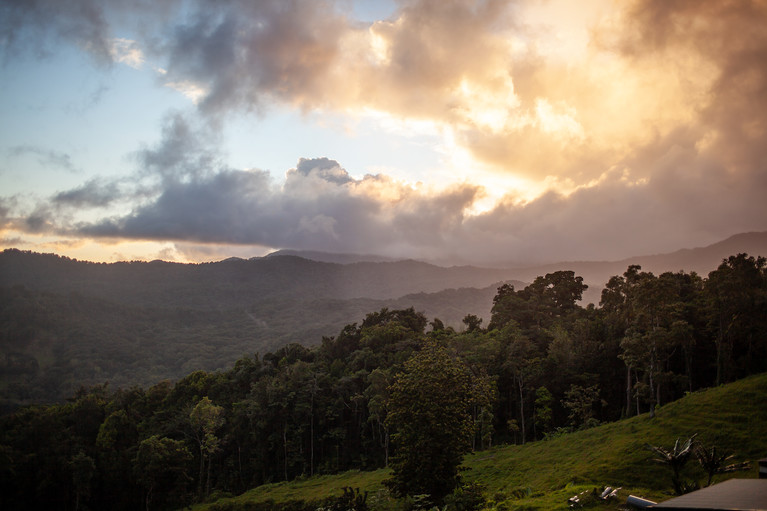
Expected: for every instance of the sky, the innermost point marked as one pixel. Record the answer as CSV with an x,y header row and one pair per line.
x,y
484,132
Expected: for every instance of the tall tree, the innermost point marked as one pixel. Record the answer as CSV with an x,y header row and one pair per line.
x,y
205,419
161,466
83,468
430,414
737,290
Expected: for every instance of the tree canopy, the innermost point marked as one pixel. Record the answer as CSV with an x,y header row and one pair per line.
x,y
430,410
388,390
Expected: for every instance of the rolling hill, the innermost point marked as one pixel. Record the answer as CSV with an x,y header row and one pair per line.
x,y
701,260
543,475
67,323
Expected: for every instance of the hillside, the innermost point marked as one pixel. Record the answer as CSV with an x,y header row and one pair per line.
x,y
234,282
544,474
68,323
53,343
331,257
701,260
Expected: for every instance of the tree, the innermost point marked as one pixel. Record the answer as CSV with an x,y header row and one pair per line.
x,y
546,301
473,323
523,363
676,458
83,468
205,419
543,412
580,402
429,412
737,292
377,394
161,464
650,309
713,462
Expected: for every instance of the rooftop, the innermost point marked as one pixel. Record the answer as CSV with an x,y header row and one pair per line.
x,y
731,495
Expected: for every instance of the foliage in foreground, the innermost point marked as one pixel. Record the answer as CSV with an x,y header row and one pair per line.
x,y
430,410
299,412
544,475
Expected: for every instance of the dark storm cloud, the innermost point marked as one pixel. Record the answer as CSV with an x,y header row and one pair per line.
x,y
244,207
203,209
41,221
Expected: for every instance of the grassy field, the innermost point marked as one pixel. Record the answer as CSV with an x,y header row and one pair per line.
x,y
543,475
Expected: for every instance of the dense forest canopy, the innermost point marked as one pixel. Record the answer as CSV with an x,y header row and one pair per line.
x,y
66,323
549,364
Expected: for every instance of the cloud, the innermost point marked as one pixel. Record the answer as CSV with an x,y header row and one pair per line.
x,y
614,218
246,54
324,168
654,133
245,207
94,193
127,51
460,64
611,220
36,25
728,41
46,157
186,151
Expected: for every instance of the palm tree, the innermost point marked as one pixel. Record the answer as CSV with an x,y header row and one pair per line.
x,y
714,463
676,458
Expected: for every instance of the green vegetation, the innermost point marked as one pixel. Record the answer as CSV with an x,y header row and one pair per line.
x,y
544,367
544,475
429,408
66,324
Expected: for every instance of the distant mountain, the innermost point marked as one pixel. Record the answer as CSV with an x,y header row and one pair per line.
x,y
330,257
235,282
701,260
66,322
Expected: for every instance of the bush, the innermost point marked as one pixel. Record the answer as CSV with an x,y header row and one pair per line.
x,y
351,500
467,497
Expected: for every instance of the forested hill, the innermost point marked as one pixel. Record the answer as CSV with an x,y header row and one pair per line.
x,y
700,260
542,366
68,323
234,282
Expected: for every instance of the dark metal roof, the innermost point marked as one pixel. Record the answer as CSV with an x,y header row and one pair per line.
x,y
731,495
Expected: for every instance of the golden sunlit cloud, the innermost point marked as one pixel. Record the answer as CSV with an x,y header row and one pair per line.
x,y
499,121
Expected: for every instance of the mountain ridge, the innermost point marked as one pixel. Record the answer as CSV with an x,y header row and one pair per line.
x,y
62,317
701,260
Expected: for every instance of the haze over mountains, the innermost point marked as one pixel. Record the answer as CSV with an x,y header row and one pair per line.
x,y
596,273
701,260
66,323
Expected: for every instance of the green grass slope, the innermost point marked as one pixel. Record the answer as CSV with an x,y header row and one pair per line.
x,y
543,475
